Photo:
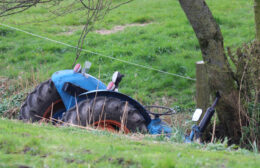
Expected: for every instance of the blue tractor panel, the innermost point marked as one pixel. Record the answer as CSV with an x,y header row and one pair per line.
x,y
157,126
66,79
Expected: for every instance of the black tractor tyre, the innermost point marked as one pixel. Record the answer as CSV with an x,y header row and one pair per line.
x,y
103,108
41,102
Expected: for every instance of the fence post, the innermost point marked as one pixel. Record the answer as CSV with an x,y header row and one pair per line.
x,y
202,87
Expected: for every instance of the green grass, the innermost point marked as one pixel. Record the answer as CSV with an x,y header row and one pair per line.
x,y
167,43
37,145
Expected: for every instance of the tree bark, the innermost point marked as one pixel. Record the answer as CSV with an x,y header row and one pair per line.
x,y
257,32
257,19
220,76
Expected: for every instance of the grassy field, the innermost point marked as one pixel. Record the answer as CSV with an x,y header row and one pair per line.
x,y
157,34
39,146
167,43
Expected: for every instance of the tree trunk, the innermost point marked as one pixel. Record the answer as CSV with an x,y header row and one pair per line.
x,y
257,19
219,74
257,31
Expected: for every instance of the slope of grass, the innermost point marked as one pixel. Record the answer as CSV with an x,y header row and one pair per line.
x,y
167,43
36,145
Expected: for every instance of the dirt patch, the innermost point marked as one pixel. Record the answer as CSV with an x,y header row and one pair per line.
x,y
26,149
69,160
23,166
69,30
120,28
123,162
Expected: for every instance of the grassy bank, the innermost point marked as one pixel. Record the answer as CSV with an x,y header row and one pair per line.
x,y
36,145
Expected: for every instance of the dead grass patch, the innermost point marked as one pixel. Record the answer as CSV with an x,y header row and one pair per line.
x,y
69,30
120,28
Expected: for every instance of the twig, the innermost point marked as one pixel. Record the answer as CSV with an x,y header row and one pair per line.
x,y
77,110
70,124
239,101
214,129
123,120
51,110
103,108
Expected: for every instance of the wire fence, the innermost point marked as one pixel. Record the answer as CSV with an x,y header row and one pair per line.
x,y
99,54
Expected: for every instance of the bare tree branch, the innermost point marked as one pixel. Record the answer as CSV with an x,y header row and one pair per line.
x,y
95,10
10,7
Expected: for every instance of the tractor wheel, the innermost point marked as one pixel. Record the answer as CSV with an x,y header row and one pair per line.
x,y
43,102
107,113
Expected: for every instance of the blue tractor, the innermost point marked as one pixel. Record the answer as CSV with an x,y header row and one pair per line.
x,y
75,97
